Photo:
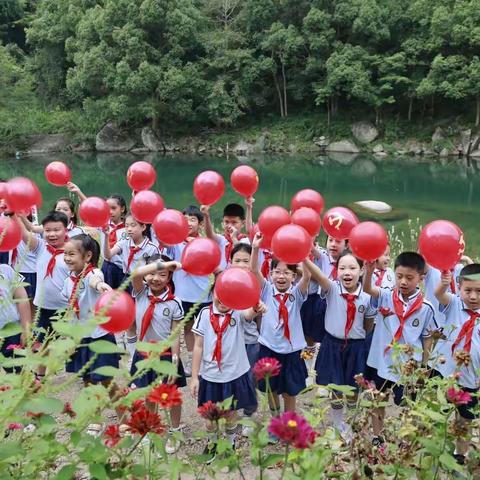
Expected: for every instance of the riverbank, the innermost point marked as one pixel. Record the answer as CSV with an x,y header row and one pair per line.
x,y
74,132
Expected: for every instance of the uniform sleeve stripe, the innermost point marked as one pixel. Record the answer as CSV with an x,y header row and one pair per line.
x,y
430,306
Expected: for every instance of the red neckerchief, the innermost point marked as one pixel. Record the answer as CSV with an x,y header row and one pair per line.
x,y
466,331
190,238
265,268
73,300
379,274
452,282
351,312
148,315
112,235
219,330
385,312
133,251
229,244
52,262
334,272
13,260
402,317
283,313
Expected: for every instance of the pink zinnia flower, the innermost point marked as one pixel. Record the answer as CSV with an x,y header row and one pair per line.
x,y
15,426
292,429
458,397
112,432
14,346
266,368
213,412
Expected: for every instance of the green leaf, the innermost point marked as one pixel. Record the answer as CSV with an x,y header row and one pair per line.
x,y
10,449
10,329
43,405
107,371
272,459
159,366
346,389
449,462
102,346
66,473
98,471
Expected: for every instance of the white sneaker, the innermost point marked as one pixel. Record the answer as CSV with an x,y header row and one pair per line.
x,y
247,430
172,445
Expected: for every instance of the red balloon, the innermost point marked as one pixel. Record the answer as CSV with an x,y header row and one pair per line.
x,y
118,307
291,244
338,222
201,256
442,244
10,233
146,205
309,219
234,280
58,174
94,211
368,241
22,194
266,240
171,227
307,198
244,180
141,176
208,187
272,218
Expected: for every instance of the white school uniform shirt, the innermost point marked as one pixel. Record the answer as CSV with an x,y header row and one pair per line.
x,y
26,261
313,286
326,263
455,316
189,288
147,249
417,326
234,362
73,230
271,328
9,281
222,243
120,234
431,282
87,297
388,281
336,313
48,293
164,314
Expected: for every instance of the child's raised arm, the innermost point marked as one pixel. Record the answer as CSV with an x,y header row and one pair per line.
x,y
209,232
254,267
139,273
249,214
441,291
305,280
24,311
372,290
108,252
76,190
27,237
317,275
253,312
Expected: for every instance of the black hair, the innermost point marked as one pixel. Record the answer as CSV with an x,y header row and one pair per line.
x,y
411,260
234,210
55,217
467,270
121,202
147,232
275,261
345,240
241,247
155,258
71,205
349,252
88,244
193,211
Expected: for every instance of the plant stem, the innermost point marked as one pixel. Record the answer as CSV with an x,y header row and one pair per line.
x,y
284,463
445,431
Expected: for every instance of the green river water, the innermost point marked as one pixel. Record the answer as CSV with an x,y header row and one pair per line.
x,y
419,191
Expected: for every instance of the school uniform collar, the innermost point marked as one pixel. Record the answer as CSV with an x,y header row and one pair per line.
x,y
343,290
142,245
162,296
411,298
276,292
217,312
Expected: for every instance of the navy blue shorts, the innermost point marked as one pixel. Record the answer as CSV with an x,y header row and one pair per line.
x,y
313,317
31,279
83,355
112,274
45,321
150,376
252,354
339,361
241,389
292,373
369,371
8,353
187,306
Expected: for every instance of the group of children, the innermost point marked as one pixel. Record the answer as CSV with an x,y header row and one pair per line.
x,y
357,313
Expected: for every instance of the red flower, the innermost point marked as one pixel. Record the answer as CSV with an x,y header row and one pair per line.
x,y
458,397
112,432
14,346
292,429
4,388
266,368
143,421
213,412
67,410
166,395
34,414
15,426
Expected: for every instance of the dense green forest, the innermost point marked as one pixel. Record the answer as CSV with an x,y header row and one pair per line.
x,y
73,64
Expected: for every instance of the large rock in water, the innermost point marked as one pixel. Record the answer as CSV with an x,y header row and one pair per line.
x,y
57,142
345,146
375,206
364,132
113,139
151,140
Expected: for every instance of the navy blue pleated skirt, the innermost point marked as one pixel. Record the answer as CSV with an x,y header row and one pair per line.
x,y
112,274
31,279
44,321
292,373
241,389
83,355
339,361
150,376
9,352
313,317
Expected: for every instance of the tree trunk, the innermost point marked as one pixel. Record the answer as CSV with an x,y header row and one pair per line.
x,y
477,117
285,109
410,108
433,106
280,99
155,123
377,116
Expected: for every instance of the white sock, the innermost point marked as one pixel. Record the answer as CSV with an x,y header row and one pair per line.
x,y
337,416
